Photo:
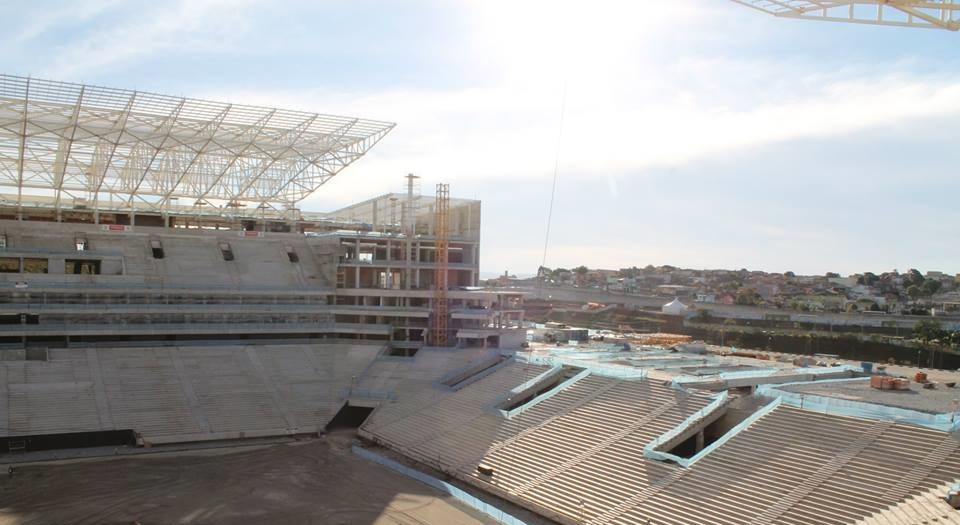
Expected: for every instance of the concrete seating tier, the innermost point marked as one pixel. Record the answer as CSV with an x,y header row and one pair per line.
x,y
185,393
793,466
577,457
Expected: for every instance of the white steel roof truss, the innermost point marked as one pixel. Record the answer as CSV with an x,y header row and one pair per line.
x,y
86,142
931,14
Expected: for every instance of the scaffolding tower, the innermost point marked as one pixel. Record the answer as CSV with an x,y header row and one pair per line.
x,y
408,225
442,233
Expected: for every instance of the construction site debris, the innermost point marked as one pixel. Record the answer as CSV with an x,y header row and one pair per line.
x,y
889,383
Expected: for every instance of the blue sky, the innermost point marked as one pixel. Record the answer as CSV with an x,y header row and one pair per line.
x,y
697,133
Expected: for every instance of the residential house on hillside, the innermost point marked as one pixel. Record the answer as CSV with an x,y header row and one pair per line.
x,y
674,290
703,297
768,291
843,282
600,276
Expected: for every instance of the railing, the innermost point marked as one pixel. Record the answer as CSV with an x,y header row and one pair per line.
x,y
185,309
406,264
247,326
14,251
36,281
373,234
52,301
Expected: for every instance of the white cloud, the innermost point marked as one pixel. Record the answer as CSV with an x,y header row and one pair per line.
x,y
40,19
649,85
152,30
496,133
637,95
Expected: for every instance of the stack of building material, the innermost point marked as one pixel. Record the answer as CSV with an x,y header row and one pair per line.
x,y
889,383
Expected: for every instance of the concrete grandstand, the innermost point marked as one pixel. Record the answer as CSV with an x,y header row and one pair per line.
x,y
111,279
159,285
587,450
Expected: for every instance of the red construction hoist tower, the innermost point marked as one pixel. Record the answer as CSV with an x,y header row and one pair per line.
x,y
442,233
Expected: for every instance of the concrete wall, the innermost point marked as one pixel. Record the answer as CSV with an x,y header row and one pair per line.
x,y
191,257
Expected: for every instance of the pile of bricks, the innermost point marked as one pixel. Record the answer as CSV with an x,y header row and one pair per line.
x,y
889,383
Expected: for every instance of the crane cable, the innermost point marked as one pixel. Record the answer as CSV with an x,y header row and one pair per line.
x,y
553,189
515,425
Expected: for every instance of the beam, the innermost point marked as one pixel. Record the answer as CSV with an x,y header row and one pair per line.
x,y
258,130
167,127
62,172
23,149
119,126
215,126
918,13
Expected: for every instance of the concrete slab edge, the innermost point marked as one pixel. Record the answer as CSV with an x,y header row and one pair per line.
x,y
649,450
546,395
946,422
447,488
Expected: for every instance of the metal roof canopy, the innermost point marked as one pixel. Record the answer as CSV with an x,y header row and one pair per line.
x,y
932,14
103,147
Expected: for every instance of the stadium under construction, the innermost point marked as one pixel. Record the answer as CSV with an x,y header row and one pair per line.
x,y
160,288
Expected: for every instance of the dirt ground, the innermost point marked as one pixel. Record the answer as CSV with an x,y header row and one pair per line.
x,y
313,482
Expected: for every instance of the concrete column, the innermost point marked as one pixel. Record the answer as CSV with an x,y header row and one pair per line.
x,y
356,256
408,256
469,219
700,439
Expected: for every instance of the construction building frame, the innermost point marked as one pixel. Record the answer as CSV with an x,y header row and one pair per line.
x,y
66,146
930,14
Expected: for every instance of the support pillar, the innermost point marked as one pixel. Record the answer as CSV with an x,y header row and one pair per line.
x,y
356,271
